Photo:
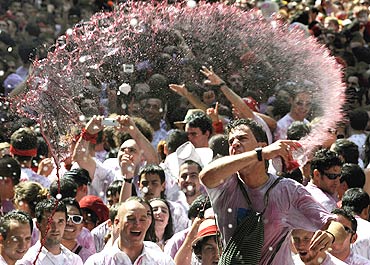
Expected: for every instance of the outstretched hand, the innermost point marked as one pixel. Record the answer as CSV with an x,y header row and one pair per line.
x,y
179,89
213,79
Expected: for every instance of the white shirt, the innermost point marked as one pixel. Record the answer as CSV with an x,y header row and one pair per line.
x,y
2,261
114,256
354,259
28,174
46,258
362,244
359,140
325,199
329,260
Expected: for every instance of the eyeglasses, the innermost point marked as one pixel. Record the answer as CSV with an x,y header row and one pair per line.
x,y
332,175
348,230
76,219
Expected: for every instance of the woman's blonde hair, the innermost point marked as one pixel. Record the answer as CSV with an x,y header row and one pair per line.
x,y
31,193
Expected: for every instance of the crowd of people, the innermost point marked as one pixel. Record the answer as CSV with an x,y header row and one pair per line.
x,y
193,173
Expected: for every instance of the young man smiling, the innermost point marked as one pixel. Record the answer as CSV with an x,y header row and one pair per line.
x,y
15,236
51,221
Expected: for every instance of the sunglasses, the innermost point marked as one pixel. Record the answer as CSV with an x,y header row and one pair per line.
x,y
332,176
76,219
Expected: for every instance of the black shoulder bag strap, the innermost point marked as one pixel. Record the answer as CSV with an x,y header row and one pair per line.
x,y
266,200
78,250
266,196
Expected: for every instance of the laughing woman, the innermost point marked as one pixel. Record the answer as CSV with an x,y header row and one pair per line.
x,y
163,221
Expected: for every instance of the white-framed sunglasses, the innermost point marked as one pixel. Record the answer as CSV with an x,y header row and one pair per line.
x,y
76,219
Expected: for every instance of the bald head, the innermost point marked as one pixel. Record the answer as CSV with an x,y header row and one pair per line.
x,y
133,224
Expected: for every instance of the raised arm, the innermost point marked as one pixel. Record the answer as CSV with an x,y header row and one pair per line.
x,y
182,91
127,170
183,255
223,168
238,103
148,151
235,99
81,153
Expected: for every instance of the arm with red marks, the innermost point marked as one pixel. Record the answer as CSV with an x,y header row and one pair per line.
x,y
83,148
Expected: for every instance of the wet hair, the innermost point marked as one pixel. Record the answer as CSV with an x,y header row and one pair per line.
x,y
72,202
325,159
48,206
113,211
296,174
197,248
348,150
348,215
256,129
219,145
356,200
31,193
80,175
68,188
90,213
10,168
153,169
202,121
27,52
358,119
168,231
200,204
9,218
297,130
23,139
353,175
150,233
191,162
114,188
174,139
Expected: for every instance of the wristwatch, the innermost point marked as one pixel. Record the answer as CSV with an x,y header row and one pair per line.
x,y
128,180
259,153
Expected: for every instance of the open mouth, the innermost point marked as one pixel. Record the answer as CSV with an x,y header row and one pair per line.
x,y
69,229
135,233
302,253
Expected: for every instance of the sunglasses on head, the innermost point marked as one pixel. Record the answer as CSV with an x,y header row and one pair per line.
x,y
76,219
332,175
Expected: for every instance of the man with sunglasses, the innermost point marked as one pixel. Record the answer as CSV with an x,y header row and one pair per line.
x,y
326,169
342,249
73,229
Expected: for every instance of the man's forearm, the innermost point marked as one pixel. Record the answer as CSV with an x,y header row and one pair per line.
x,y
221,169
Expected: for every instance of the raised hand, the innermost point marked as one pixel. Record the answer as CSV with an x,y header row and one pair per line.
x,y
213,79
179,89
94,125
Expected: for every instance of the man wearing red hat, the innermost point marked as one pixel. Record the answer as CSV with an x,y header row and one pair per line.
x,y
94,211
